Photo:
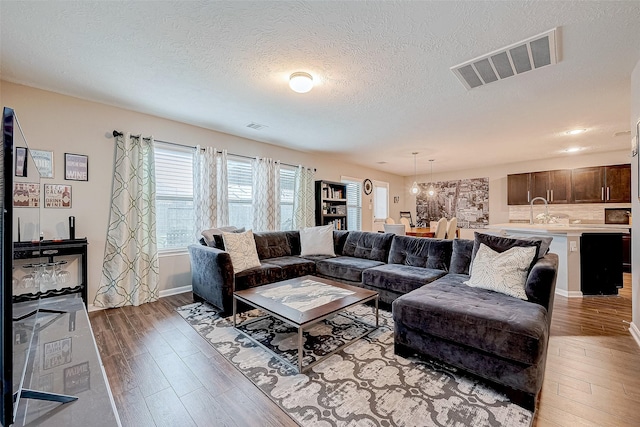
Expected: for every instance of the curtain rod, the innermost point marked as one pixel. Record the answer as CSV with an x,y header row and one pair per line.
x,y
118,133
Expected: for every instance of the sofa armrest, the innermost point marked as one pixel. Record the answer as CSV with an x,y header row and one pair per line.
x,y
212,275
541,282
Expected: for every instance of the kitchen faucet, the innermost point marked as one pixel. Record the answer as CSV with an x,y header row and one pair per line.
x,y
546,208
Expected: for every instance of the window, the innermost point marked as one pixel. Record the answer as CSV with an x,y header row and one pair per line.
x,y
287,190
354,203
240,193
380,201
175,215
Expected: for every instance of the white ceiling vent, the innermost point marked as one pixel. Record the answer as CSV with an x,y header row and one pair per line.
x,y
530,54
256,126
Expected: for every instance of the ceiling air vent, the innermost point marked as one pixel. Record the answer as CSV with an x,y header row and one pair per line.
x,y
256,126
533,53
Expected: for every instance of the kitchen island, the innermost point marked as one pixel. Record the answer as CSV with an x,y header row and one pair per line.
x,y
566,243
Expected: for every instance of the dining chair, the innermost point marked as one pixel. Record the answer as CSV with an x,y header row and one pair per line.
x,y
397,229
452,224
441,229
406,223
389,221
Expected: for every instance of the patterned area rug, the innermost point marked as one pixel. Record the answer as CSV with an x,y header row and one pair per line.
x,y
364,384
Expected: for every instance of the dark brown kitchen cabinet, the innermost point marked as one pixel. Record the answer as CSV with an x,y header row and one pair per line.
x,y
588,185
518,192
602,184
618,184
553,186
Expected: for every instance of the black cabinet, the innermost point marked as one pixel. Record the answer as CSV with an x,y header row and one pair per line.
x,y
45,255
331,204
600,263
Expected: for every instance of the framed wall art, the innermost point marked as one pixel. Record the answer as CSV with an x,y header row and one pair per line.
x,y
76,167
57,196
26,195
21,162
44,162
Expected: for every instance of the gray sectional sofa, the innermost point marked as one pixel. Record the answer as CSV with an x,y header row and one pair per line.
x,y
494,336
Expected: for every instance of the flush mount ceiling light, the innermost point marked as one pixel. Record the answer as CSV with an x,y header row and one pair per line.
x,y
301,82
575,131
414,187
573,149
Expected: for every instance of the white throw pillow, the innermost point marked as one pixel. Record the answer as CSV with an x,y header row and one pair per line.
x,y
242,250
504,272
317,241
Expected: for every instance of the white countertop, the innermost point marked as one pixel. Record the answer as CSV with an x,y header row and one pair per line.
x,y
561,228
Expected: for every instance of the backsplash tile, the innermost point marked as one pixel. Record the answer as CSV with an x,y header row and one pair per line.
x,y
588,213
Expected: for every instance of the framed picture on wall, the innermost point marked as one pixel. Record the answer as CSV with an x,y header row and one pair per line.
x,y
57,196
21,162
44,162
76,167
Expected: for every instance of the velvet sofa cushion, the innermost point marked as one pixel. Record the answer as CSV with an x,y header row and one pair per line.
x,y
368,245
293,266
339,239
400,278
272,244
421,252
485,320
461,256
257,276
345,267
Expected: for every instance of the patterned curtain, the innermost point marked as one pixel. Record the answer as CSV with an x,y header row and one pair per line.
x,y
304,201
211,192
130,267
266,194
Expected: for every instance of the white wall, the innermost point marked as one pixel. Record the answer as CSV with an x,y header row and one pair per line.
x,y
65,124
635,240
498,208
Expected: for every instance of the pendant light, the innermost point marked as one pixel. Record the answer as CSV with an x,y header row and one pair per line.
x,y
431,191
414,188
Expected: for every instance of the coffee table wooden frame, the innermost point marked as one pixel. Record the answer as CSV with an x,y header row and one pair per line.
x,y
304,319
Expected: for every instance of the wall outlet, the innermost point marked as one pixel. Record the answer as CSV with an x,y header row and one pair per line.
x,y
573,246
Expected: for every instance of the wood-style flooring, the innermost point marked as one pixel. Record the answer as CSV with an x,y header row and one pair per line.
x,y
162,373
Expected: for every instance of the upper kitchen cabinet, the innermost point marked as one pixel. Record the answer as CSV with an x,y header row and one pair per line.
x,y
602,184
553,186
518,192
618,184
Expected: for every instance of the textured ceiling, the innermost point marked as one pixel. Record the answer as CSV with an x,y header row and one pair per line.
x,y
384,88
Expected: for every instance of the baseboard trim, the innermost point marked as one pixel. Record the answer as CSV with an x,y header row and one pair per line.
x,y
635,332
161,294
569,294
175,291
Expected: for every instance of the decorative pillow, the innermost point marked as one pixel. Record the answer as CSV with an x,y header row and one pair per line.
x,y
210,233
242,250
219,241
501,244
504,272
317,241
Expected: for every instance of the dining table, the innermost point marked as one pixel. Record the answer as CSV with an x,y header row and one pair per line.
x,y
421,232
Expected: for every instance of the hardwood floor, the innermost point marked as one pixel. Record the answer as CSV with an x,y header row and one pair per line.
x,y
162,373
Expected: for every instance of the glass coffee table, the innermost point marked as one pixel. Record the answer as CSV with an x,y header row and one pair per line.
x,y
301,303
